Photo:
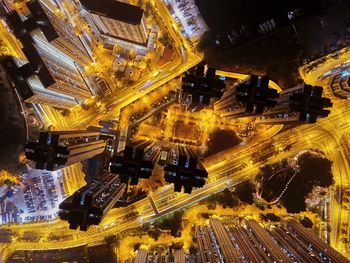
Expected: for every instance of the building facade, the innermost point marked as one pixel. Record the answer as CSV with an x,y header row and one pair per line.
x,y
135,162
254,97
164,255
31,88
57,32
246,98
246,240
56,56
142,256
340,85
184,170
116,21
301,104
91,203
200,88
58,149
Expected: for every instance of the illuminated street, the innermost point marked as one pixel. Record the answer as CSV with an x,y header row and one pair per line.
x,y
146,108
323,136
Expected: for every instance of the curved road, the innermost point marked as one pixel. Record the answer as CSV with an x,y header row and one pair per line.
x,y
226,172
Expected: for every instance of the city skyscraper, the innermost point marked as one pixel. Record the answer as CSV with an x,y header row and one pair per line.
x,y
201,88
249,97
31,88
42,25
184,170
116,21
168,256
56,56
57,32
253,97
57,149
88,205
228,253
340,85
134,163
248,241
181,155
142,256
301,104
295,233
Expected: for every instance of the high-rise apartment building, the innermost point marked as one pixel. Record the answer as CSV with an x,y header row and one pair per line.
x,y
183,169
142,256
249,97
229,254
201,88
254,97
115,21
55,55
294,233
134,163
31,88
61,72
340,85
165,256
179,256
89,205
42,25
57,149
249,241
301,104
261,236
207,245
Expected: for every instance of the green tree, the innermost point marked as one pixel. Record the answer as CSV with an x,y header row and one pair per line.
x,y
306,222
244,192
154,233
314,170
145,227
172,222
270,217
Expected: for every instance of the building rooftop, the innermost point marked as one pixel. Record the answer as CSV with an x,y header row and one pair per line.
x,y
116,10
